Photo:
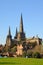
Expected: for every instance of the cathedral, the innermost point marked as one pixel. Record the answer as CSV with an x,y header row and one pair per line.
x,y
21,42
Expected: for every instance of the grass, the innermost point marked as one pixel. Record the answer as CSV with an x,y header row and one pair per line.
x,y
21,61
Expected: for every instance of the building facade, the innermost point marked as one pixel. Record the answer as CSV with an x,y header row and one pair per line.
x,y
20,41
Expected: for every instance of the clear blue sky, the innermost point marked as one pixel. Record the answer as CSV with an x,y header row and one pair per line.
x,y
10,12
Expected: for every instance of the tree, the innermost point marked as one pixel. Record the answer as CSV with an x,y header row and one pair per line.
x,y
29,54
36,55
14,49
24,54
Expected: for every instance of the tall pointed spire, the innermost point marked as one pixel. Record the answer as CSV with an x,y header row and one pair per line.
x,y
21,24
9,39
16,33
9,33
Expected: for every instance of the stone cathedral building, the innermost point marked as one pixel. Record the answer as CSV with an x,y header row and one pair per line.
x,y
21,42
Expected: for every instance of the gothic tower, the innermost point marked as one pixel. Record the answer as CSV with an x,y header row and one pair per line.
x,y
9,39
21,34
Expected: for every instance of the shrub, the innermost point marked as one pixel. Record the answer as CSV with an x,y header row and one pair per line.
x,y
29,54
36,55
24,54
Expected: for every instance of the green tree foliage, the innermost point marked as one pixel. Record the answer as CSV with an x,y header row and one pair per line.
x,y
36,55
14,49
24,54
29,54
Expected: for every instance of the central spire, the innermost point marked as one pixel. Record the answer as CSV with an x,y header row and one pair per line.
x,y
21,24
16,33
9,31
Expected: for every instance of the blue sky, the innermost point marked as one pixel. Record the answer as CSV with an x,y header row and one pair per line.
x,y
10,12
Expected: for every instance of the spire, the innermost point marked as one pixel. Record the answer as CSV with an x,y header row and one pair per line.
x,y
21,24
16,31
16,34
9,33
